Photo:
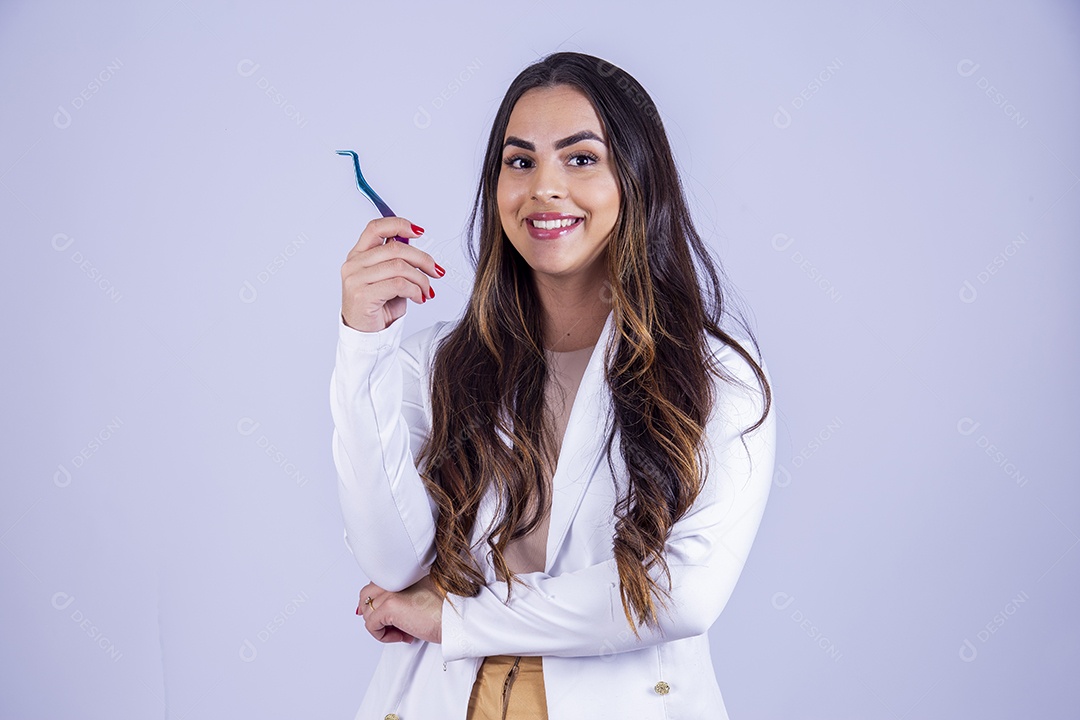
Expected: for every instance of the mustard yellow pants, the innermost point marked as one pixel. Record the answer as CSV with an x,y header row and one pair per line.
x,y
509,687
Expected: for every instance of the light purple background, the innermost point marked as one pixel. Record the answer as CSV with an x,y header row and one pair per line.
x,y
174,219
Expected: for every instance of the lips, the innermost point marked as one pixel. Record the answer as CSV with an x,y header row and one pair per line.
x,y
550,225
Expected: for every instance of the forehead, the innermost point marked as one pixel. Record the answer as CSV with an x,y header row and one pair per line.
x,y
552,113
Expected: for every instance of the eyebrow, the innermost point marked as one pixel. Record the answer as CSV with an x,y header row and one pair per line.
x,y
558,144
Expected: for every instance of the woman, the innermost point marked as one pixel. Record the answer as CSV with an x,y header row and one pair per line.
x,y
553,496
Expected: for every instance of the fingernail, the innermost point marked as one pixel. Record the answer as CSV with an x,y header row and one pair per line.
x,y
357,611
438,269
417,229
432,291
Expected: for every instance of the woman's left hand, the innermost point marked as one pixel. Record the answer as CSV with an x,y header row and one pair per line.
x,y
415,612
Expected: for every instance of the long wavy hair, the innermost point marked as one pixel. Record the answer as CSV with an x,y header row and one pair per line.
x,y
490,371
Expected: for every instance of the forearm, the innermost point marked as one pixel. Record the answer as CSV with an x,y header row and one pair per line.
x,y
580,613
387,512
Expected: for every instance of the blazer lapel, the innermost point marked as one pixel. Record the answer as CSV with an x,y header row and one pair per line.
x,y
579,455
582,446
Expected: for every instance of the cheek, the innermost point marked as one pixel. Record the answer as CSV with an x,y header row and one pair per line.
x,y
613,195
615,199
506,203
604,201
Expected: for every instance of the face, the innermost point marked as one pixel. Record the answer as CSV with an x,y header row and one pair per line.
x,y
557,193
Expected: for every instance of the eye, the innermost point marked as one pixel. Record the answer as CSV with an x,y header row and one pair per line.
x,y
587,156
512,162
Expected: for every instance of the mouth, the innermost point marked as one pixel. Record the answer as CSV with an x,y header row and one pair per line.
x,y
546,226
553,224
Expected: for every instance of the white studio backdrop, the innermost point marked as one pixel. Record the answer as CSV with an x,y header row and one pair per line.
x,y
891,187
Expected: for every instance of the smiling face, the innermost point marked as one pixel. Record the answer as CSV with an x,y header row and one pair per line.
x,y
558,195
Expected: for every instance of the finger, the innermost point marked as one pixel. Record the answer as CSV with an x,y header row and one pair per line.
x,y
374,619
391,288
373,591
370,590
412,256
394,634
381,627
378,230
393,267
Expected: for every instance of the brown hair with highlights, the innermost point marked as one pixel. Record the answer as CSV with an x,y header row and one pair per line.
x,y
490,371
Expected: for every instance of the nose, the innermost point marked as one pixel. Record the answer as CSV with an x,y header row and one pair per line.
x,y
548,181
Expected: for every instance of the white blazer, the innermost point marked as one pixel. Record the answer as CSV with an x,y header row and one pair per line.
x,y
571,613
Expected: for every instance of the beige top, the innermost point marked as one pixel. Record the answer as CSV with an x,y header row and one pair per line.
x,y
529,553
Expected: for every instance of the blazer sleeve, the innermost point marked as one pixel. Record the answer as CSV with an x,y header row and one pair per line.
x,y
380,420
580,613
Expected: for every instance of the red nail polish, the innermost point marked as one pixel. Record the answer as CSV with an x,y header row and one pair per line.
x,y
417,229
358,611
432,291
438,269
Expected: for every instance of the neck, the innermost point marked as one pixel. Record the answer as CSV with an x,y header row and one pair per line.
x,y
574,313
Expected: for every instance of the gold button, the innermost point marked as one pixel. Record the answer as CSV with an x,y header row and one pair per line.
x,y
391,716
662,688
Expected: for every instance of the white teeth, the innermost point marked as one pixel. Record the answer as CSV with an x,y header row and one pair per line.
x,y
552,224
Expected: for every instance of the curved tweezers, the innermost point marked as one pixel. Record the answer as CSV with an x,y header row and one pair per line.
x,y
369,192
